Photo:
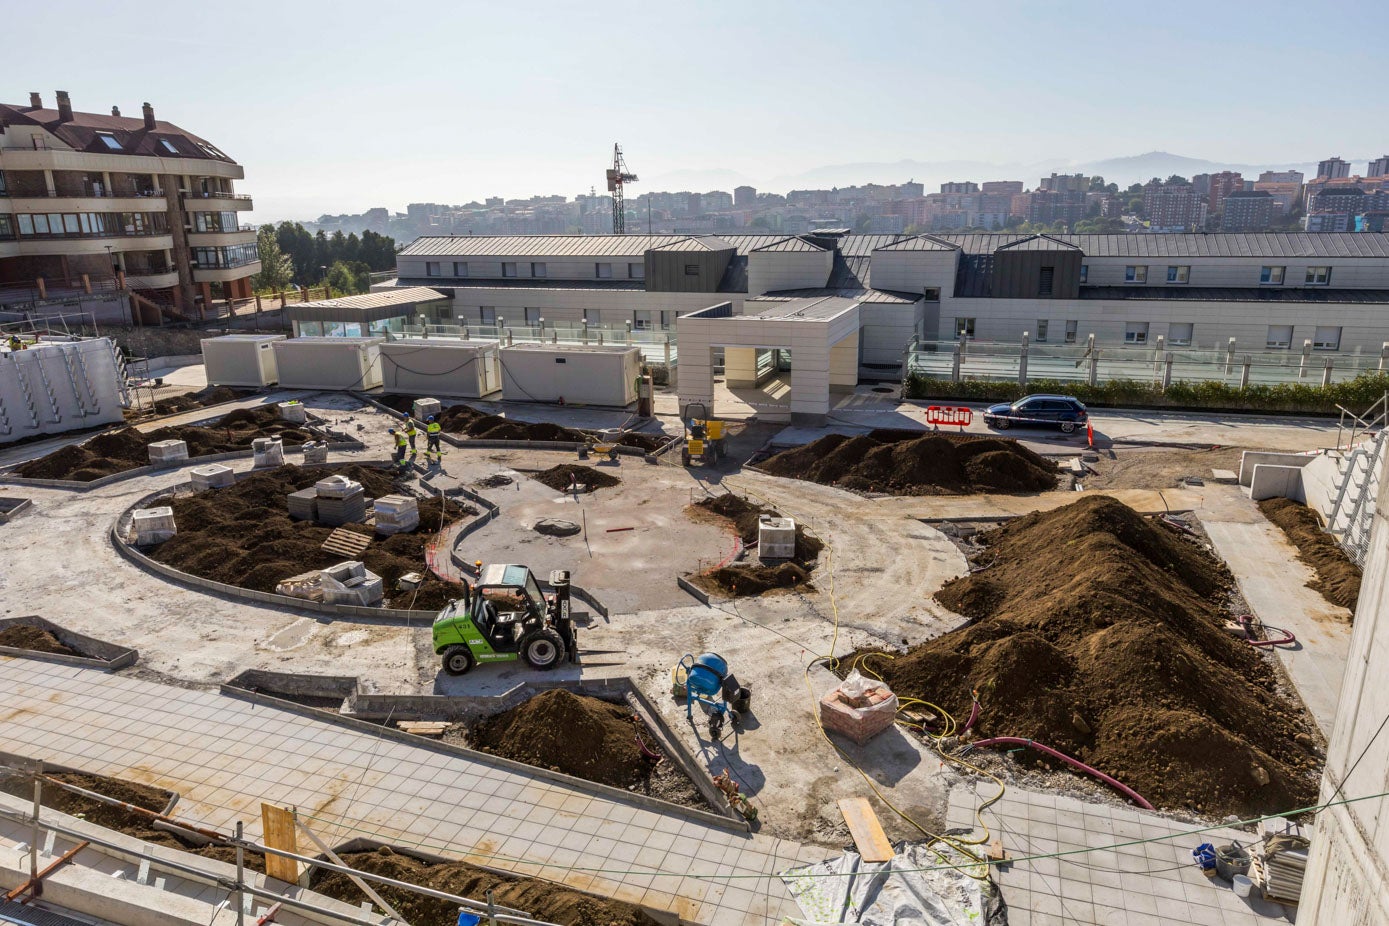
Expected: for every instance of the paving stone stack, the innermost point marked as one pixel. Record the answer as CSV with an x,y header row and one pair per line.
x,y
267,451
340,501
212,476
168,451
303,505
316,451
426,407
352,583
153,525
294,412
396,514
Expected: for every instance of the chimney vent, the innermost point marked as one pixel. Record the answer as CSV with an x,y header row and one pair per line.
x,y
64,107
35,101
149,117
116,111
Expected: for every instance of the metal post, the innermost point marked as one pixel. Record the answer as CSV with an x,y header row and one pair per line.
x,y
1166,371
1306,356
1383,356
38,833
491,909
955,357
1244,372
1094,364
240,879
963,342
1326,373
1022,362
1230,356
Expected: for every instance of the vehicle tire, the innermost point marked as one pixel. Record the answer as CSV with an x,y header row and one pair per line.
x,y
458,660
716,725
1002,424
1068,427
543,649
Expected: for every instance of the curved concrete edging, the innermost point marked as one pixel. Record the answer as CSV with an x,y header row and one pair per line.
x,y
109,657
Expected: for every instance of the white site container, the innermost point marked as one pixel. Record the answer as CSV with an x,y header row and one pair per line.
x,y
579,374
212,476
441,366
241,360
329,363
168,451
153,525
776,538
59,386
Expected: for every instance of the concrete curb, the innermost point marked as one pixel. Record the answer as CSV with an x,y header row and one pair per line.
x,y
694,591
534,771
109,657
21,505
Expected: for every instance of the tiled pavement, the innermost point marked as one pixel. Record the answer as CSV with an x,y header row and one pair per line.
x,y
1153,884
224,756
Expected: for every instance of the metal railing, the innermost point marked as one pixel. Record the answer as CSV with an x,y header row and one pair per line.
x,y
198,194
118,233
655,346
92,193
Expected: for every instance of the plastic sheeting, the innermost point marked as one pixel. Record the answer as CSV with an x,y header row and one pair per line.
x,y
896,893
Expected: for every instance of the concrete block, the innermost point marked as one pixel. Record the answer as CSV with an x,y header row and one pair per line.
x,y
1226,476
153,525
423,408
315,451
776,538
336,487
168,451
267,451
294,412
1251,458
352,583
1271,480
397,514
212,476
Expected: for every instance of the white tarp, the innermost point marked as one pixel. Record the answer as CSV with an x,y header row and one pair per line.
x,y
896,893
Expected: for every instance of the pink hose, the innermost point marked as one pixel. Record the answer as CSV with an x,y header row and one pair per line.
x,y
973,716
1248,623
1076,763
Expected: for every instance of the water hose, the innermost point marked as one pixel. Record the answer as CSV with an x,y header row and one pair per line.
x,y
973,714
1074,763
1247,622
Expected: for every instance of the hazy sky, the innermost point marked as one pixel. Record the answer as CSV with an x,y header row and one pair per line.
x,y
337,107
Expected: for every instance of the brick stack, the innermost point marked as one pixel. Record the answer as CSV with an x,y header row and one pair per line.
x,y
396,514
268,451
153,525
168,451
303,505
340,501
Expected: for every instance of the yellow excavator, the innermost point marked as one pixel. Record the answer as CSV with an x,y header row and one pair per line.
x,y
704,436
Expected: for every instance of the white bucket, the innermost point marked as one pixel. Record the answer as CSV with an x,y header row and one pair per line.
x,y
1242,885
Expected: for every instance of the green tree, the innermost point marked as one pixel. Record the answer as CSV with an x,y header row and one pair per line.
x,y
349,277
276,267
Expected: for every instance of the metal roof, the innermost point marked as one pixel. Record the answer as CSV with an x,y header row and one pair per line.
x,y
920,243
514,283
1260,244
699,243
857,295
536,245
1039,243
368,307
793,244
1237,294
814,308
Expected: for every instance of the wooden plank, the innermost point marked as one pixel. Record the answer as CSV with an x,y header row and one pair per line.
x,y
867,831
277,828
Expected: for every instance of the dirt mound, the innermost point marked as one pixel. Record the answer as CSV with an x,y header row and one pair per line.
x,y
1338,579
1098,633
127,448
574,734
543,900
916,463
242,535
469,422
212,395
22,636
739,581
559,477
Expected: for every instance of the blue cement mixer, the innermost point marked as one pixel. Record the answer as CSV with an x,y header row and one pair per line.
x,y
704,682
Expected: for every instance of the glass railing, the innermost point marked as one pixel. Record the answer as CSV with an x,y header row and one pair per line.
x,y
655,346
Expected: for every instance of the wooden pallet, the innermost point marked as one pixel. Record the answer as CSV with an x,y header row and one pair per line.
x,y
423,727
344,542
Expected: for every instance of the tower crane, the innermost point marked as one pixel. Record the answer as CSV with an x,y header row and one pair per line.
x,y
618,176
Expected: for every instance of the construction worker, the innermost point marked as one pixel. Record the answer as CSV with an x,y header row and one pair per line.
x,y
400,446
432,430
15,343
410,432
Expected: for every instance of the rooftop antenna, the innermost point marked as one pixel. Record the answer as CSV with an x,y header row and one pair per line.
x,y
617,177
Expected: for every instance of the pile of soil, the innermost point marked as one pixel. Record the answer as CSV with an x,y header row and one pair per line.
x,y
212,395
558,477
1338,579
916,463
242,535
469,422
741,581
544,900
574,734
1099,633
22,636
127,448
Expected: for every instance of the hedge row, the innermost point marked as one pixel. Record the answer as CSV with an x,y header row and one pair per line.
x,y
1357,394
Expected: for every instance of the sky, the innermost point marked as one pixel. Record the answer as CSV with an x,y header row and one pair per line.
x,y
339,107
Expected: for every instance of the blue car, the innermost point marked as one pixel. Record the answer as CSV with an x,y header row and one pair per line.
x,y
1041,411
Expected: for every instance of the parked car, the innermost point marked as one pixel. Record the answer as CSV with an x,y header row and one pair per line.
x,y
1042,411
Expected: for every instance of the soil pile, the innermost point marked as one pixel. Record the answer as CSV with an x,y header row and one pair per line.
x,y
212,395
916,463
1338,579
1099,633
36,639
469,422
741,581
559,478
127,448
544,900
242,535
574,734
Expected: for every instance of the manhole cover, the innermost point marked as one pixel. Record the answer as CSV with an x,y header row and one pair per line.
x,y
554,527
883,389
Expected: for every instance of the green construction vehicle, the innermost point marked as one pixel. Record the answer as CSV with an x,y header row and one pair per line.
x,y
504,617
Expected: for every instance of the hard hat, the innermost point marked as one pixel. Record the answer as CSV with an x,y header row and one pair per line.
x,y
390,430
430,418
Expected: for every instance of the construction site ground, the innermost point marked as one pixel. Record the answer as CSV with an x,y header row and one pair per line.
x,y
874,587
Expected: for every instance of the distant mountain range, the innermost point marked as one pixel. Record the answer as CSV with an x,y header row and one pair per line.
x,y
1124,171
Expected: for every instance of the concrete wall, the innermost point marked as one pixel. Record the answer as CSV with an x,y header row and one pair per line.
x,y
556,268
1319,483
886,329
770,271
911,271
1271,480
843,364
568,306
56,387
1347,881
1252,458
740,367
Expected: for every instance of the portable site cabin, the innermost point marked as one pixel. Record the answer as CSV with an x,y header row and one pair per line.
x,y
241,360
329,363
579,374
441,367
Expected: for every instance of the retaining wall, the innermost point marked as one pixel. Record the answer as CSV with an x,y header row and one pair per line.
x,y
1272,480
1252,458
109,657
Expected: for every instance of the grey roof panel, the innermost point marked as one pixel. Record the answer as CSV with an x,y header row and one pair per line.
x,y
858,295
815,308
536,245
1039,243
367,307
792,244
1261,244
696,243
1238,294
920,243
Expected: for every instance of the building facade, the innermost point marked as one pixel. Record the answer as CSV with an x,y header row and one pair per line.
x,y
1170,206
138,203
1379,167
1246,211
1333,168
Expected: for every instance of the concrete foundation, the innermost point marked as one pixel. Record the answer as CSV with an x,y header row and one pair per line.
x,y
1251,458
1270,480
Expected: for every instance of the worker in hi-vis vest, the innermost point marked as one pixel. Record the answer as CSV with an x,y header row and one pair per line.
x,y
410,432
432,430
401,444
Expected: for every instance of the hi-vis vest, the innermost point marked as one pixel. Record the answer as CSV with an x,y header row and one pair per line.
x,y
400,439
434,427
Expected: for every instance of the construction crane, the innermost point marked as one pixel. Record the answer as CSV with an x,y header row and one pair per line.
x,y
617,177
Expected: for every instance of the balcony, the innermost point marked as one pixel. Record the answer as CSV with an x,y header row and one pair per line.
x,y
244,234
236,201
52,245
225,274
92,201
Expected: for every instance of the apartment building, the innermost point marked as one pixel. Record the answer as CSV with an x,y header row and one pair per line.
x,y
1379,167
1285,186
1221,186
1333,168
89,198
1246,211
1170,206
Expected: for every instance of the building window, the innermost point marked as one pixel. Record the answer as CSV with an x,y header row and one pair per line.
x,y
1280,337
603,271
168,146
692,270
667,319
1326,338
537,269
1084,272
1178,274
460,268
1041,331
1272,276
1135,274
593,317
1072,325
1179,334
1046,281
109,141
1136,333
431,268
532,317
641,321
1318,276
508,269
636,271
487,314
964,327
